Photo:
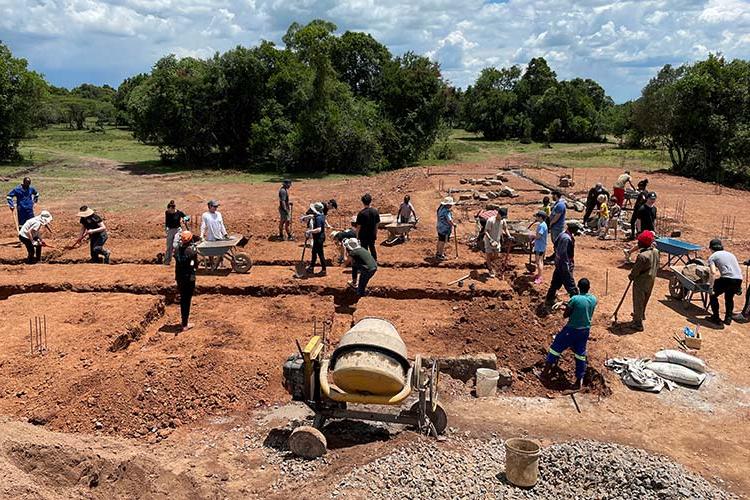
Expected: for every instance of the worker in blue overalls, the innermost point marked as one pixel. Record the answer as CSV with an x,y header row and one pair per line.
x,y
25,197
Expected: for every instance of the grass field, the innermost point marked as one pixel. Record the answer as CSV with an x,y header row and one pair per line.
x,y
469,147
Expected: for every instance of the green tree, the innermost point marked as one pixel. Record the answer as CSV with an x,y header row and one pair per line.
x,y
21,94
359,60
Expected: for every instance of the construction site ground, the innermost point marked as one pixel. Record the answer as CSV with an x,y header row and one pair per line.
x,y
123,404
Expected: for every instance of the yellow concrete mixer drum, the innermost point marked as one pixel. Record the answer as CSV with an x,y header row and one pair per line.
x,y
370,359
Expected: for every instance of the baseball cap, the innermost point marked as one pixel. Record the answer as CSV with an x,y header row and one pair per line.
x,y
213,203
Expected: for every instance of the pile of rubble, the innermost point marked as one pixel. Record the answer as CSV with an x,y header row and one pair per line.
x,y
465,468
497,182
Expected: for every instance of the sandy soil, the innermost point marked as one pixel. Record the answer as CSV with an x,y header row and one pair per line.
x,y
121,405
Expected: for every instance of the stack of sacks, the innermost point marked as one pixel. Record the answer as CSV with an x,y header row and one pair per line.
x,y
679,367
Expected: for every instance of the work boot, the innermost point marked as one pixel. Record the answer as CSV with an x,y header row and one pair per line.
x,y
714,319
728,320
322,272
289,237
635,325
106,257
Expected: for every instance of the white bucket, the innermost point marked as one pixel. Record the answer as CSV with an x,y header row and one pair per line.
x,y
486,382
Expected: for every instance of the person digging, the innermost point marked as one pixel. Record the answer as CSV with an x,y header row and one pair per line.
x,y
93,228
495,233
564,263
643,276
186,264
339,237
318,234
726,280
30,235
575,334
364,266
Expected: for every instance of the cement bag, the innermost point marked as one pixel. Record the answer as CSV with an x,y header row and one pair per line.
x,y
677,373
681,358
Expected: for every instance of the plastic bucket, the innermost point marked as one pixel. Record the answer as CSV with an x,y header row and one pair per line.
x,y
486,382
522,462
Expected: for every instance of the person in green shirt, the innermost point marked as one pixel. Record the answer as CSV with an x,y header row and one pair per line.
x,y
363,265
575,334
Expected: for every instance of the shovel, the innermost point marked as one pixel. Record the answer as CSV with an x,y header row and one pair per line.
x,y
614,316
300,269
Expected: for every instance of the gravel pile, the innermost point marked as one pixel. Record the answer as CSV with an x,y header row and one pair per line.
x,y
463,468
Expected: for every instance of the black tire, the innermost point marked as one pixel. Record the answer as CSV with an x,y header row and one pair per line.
x,y
241,263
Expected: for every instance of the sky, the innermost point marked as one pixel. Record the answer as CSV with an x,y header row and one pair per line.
x,y
619,44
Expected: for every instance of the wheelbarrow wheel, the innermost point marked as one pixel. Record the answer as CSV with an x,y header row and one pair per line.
x,y
241,263
438,416
676,290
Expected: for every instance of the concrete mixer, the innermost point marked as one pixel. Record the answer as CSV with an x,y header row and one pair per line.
x,y
368,367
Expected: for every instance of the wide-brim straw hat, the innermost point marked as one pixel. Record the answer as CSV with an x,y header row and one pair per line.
x,y
86,213
448,200
45,217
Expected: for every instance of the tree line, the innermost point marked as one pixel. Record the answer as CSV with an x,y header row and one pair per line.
x,y
344,103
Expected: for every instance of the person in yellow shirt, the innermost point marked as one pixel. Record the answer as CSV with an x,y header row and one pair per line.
x,y
602,213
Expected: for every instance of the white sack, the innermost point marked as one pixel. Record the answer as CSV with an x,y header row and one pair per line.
x,y
681,358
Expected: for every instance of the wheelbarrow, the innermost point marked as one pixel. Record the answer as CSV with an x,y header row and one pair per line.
x,y
398,232
682,288
212,253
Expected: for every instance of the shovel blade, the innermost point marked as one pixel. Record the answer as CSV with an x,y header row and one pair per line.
x,y
300,270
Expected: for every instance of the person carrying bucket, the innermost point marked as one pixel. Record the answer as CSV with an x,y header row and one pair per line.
x,y
575,334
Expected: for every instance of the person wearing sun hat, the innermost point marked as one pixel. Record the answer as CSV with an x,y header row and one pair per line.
x,y
643,276
445,225
31,237
93,228
363,265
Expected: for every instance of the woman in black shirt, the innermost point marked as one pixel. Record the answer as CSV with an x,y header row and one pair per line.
x,y
173,221
93,227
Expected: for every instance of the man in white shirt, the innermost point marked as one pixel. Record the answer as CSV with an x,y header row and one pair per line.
x,y
212,223
726,280
619,188
31,237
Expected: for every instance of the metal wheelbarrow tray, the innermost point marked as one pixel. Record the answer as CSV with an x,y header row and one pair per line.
x,y
678,251
225,249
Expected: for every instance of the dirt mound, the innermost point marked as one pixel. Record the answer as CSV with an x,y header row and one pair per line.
x,y
519,332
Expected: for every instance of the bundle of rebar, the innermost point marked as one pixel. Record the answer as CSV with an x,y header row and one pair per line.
x,y
38,334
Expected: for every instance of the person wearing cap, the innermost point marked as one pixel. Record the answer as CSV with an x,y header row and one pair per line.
x,y
640,200
25,196
285,211
591,199
340,236
317,231
726,280
186,263
173,222
31,237
363,265
495,234
643,276
539,238
212,223
445,225
575,334
619,189
93,228
645,221
564,264
367,226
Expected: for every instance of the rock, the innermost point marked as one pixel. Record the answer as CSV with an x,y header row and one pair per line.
x,y
506,377
307,442
98,425
463,181
483,197
465,197
501,177
491,195
464,367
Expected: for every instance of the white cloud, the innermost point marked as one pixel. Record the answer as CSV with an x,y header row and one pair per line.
x,y
619,43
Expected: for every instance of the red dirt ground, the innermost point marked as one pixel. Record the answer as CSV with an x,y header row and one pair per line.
x,y
195,401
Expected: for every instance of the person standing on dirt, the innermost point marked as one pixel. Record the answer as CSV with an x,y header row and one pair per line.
x,y
173,222
93,228
31,237
445,225
367,226
212,223
318,234
539,239
557,216
495,234
575,334
591,201
25,196
645,221
619,188
363,265
726,280
406,213
564,263
186,264
285,211
640,200
643,276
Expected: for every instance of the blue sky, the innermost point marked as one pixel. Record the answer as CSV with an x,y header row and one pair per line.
x,y
619,44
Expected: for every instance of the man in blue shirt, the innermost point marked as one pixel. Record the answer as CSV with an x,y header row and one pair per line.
x,y
575,334
564,262
557,216
25,197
